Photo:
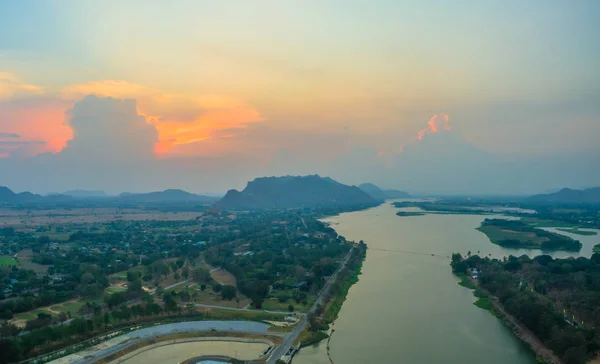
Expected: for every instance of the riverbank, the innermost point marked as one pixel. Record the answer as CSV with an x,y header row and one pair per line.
x,y
327,313
489,302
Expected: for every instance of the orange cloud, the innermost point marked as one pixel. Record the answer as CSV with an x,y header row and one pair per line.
x,y
435,124
39,122
180,119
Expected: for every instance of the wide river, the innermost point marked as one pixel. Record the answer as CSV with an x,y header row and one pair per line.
x,y
407,307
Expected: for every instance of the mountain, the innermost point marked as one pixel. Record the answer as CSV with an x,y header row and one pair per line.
x,y
373,191
567,195
294,192
85,193
396,194
7,196
165,196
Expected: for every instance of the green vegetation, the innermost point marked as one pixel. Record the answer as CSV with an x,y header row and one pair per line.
x,y
7,261
98,280
484,303
556,299
597,248
537,222
327,313
517,234
409,213
577,231
308,338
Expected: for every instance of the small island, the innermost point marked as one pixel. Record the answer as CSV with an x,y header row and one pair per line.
x,y
410,213
517,234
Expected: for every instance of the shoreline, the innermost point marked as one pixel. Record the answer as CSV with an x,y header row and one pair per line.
x,y
519,330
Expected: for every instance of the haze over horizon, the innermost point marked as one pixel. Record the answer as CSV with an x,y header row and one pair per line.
x,y
429,97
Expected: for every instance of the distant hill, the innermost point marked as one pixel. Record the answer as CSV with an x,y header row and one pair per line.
x,y
373,191
379,194
78,197
85,193
165,196
396,194
7,196
294,192
567,195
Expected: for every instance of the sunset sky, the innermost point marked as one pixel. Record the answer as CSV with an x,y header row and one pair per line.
x,y
204,95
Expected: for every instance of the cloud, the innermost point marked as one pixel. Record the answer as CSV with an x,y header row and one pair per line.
x,y
109,130
35,119
437,123
180,118
11,86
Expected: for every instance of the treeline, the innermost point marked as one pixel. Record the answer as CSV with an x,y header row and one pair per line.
x,y
54,333
557,299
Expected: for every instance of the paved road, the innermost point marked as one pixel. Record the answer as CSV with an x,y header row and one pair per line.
x,y
293,336
121,342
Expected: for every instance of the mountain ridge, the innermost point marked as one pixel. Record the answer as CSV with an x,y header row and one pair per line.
x,y
294,192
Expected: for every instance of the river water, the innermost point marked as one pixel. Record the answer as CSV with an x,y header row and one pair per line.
x,y
407,307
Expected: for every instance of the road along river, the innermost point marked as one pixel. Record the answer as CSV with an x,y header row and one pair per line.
x,y
408,308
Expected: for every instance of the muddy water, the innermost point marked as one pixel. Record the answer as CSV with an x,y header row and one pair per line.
x,y
407,307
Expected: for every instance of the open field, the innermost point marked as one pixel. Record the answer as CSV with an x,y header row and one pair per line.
x,y
534,221
25,262
208,297
30,315
498,234
273,304
6,260
224,277
35,218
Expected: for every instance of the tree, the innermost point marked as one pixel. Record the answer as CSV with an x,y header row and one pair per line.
x,y
62,317
201,275
203,287
185,272
217,287
291,308
116,299
170,303
228,292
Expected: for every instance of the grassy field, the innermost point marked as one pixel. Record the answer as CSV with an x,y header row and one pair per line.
x,y
25,262
6,260
273,304
30,315
72,306
222,314
484,303
498,234
208,297
534,221
577,231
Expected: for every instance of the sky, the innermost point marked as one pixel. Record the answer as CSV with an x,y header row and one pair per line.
x,y
462,97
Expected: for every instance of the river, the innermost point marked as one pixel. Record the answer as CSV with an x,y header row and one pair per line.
x,y
407,307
